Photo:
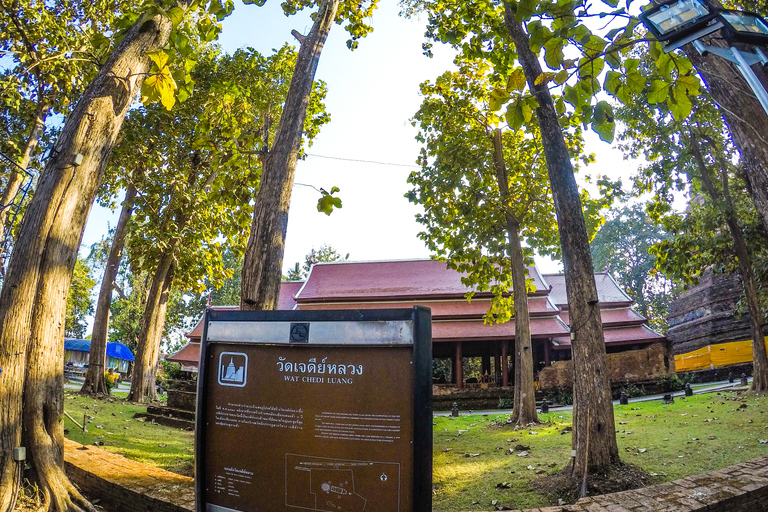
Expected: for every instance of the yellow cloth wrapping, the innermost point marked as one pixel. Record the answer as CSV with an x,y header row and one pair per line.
x,y
714,356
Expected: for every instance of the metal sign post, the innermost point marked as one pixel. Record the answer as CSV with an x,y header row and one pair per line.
x,y
315,411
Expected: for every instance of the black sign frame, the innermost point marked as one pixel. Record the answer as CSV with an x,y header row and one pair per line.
x,y
421,486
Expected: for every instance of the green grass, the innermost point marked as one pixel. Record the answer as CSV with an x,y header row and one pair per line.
x,y
472,453
112,422
694,435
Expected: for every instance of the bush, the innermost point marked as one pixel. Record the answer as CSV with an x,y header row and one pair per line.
x,y
673,383
505,403
559,396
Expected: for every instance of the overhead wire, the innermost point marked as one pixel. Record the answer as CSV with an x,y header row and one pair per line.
x,y
362,161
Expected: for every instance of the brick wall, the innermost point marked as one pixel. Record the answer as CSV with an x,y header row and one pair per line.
x,y
643,365
124,485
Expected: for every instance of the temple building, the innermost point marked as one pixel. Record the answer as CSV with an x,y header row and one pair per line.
x,y
637,353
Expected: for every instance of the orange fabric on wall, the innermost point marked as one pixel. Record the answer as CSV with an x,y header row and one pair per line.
x,y
714,356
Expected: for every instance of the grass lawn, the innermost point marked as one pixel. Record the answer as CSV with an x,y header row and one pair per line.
x,y
112,423
473,463
478,461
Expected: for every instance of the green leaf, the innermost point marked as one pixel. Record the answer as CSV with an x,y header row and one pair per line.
x,y
658,92
679,104
516,81
561,76
553,52
327,202
603,122
636,81
525,9
612,82
159,57
590,67
497,98
176,15
690,83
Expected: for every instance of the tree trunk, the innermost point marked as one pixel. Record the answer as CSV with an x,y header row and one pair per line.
x,y
594,433
263,262
743,114
34,295
15,177
524,398
744,260
94,377
153,321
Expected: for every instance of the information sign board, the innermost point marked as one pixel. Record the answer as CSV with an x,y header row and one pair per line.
x,y
315,411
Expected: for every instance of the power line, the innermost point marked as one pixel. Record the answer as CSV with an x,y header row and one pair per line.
x,y
362,161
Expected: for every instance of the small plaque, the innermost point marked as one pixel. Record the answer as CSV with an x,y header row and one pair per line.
x,y
299,333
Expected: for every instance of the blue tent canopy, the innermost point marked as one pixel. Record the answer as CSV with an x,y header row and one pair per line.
x,y
115,349
119,351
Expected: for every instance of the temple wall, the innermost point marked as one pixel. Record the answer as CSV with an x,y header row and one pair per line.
x,y
705,314
632,366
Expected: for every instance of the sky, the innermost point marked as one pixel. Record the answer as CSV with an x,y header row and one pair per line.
x,y
373,92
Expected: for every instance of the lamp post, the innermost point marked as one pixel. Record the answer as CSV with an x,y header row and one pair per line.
x,y
679,22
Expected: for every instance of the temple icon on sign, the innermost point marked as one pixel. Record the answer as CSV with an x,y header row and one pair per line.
x,y
233,369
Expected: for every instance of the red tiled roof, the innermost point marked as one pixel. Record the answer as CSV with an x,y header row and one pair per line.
x,y
382,280
188,355
613,317
288,291
477,330
608,290
619,336
446,309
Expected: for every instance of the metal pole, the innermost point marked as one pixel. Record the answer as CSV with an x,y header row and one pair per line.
x,y
751,78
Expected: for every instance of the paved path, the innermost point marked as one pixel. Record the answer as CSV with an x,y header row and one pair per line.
x,y
123,387
709,387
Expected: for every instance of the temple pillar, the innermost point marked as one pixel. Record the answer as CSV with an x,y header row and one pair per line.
x,y
458,363
504,365
547,356
496,362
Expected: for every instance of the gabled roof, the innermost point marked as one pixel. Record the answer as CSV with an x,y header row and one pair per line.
x,y
476,330
614,317
382,280
638,334
188,355
609,293
441,309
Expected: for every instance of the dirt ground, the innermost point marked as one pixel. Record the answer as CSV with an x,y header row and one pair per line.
x,y
563,488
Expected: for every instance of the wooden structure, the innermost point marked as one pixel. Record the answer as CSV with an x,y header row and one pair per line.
x,y
458,329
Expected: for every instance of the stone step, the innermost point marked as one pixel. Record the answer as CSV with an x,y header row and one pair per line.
x,y
170,412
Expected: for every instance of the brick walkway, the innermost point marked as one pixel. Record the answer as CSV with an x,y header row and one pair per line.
x,y
123,485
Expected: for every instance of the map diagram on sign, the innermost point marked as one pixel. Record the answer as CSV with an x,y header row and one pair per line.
x,y
335,485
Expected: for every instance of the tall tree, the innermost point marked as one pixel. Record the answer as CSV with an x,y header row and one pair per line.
x,y
33,298
202,176
496,31
262,267
484,191
94,377
621,248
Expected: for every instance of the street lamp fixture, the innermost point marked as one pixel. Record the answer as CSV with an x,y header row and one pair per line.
x,y
675,23
679,22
